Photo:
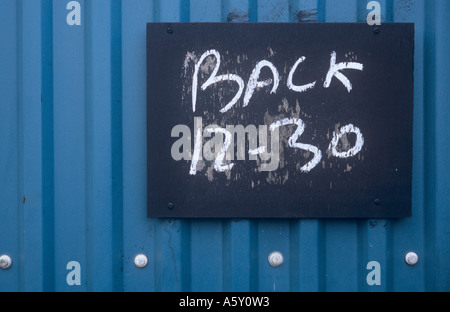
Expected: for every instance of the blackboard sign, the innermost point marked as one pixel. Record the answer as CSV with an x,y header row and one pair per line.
x,y
279,120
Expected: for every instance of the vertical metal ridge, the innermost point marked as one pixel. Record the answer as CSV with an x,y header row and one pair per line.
x,y
69,144
8,139
89,146
48,204
185,11
253,11
186,279
322,254
30,125
361,11
254,255
430,139
156,11
386,261
137,228
117,144
362,254
225,10
345,11
20,144
226,256
294,255
408,234
442,217
389,250
293,10
389,11
321,5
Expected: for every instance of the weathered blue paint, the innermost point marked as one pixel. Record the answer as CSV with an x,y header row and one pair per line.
x,y
73,162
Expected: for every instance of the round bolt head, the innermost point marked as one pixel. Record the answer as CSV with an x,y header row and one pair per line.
x,y
411,258
140,261
5,262
276,259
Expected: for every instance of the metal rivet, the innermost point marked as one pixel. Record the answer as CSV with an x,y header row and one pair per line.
x,y
377,201
170,30
411,258
140,261
376,31
5,262
276,259
170,205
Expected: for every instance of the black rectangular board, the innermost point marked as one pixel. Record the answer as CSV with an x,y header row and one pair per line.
x,y
352,83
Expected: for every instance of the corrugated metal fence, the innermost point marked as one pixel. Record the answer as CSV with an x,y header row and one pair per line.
x,y
73,162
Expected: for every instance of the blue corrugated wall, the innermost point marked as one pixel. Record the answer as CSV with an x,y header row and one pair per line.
x,y
73,161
